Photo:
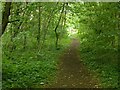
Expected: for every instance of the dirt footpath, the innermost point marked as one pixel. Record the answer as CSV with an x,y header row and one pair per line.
x,y
72,73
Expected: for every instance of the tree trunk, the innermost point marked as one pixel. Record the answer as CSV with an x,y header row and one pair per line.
x,y
25,41
39,25
57,36
5,16
48,23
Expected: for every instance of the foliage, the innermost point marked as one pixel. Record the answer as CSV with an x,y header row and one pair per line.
x,y
26,68
30,55
99,41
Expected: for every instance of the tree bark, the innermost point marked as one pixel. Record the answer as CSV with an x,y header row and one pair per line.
x,y
57,36
5,16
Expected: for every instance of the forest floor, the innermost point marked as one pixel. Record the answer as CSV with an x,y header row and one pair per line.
x,y
72,73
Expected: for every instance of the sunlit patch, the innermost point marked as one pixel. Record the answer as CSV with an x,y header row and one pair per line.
x,y
72,32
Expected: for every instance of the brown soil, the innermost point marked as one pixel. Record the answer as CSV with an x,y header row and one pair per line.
x,y
72,73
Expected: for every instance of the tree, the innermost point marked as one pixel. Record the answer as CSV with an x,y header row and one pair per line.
x,y
56,33
5,16
39,24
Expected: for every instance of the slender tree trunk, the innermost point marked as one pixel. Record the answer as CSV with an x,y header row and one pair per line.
x,y
11,38
5,16
48,23
39,25
25,41
46,28
56,33
25,37
65,14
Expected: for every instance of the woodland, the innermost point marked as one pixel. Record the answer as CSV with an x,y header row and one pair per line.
x,y
46,42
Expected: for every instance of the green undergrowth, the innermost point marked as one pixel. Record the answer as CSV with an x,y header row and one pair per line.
x,y
30,67
103,61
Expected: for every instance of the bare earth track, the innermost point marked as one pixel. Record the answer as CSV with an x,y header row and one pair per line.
x,y
72,73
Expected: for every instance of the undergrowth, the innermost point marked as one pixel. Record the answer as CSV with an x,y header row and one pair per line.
x,y
30,67
103,61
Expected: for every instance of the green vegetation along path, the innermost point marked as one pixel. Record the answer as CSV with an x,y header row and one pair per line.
x,y
72,73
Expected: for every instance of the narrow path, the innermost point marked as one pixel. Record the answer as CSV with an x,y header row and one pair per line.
x,y
72,72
